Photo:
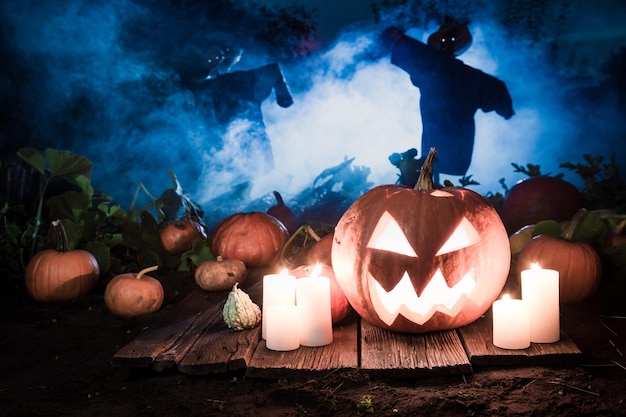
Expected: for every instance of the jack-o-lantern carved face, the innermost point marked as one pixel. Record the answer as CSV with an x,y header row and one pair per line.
x,y
417,261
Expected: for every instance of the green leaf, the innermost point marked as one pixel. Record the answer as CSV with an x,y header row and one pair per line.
x,y
117,215
590,228
34,158
67,164
85,184
91,221
112,239
69,205
200,252
547,227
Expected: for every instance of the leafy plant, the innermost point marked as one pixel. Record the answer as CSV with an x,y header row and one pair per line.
x,y
530,170
603,186
120,240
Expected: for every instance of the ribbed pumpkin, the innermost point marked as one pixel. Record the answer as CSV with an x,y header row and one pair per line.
x,y
578,263
57,275
421,259
129,295
255,238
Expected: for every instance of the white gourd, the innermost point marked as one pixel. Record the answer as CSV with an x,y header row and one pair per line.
x,y
240,312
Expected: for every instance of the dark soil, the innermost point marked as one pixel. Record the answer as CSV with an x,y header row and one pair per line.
x,y
56,361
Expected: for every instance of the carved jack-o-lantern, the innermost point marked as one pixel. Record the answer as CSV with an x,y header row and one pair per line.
x,y
423,259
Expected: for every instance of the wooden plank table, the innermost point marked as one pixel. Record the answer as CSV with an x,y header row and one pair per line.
x,y
193,338
478,342
389,354
306,362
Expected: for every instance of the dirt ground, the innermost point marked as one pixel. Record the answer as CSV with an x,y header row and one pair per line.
x,y
56,361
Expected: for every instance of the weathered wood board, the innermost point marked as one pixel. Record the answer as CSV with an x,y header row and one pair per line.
x,y
193,338
220,350
478,343
389,354
154,343
341,354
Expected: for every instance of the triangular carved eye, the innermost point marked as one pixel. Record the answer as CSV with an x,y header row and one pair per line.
x,y
388,236
463,236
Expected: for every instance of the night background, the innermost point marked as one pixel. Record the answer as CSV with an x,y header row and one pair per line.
x,y
114,81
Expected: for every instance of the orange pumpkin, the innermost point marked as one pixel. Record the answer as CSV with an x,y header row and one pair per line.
x,y
129,295
578,263
255,238
422,259
320,251
178,237
57,275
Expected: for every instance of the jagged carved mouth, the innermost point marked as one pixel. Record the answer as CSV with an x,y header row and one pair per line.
x,y
437,296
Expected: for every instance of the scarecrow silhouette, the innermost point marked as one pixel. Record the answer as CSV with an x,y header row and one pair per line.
x,y
451,93
232,101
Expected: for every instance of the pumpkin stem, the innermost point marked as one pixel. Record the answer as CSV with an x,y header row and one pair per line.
x,y
146,270
279,199
569,230
62,243
425,180
303,228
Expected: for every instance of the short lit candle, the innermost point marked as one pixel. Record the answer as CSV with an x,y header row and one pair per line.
x,y
540,290
511,325
283,327
278,289
313,300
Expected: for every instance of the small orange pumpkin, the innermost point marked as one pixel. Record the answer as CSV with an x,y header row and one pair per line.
x,y
57,275
129,295
578,263
178,237
255,238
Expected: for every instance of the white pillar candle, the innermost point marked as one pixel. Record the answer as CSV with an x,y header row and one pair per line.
x,y
283,327
278,289
511,325
540,290
313,300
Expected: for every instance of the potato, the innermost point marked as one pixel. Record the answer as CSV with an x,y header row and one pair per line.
x,y
220,274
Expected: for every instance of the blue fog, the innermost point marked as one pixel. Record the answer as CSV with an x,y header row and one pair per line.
x,y
111,81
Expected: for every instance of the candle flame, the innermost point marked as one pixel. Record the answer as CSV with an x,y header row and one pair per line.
x,y
317,270
535,266
284,272
506,297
